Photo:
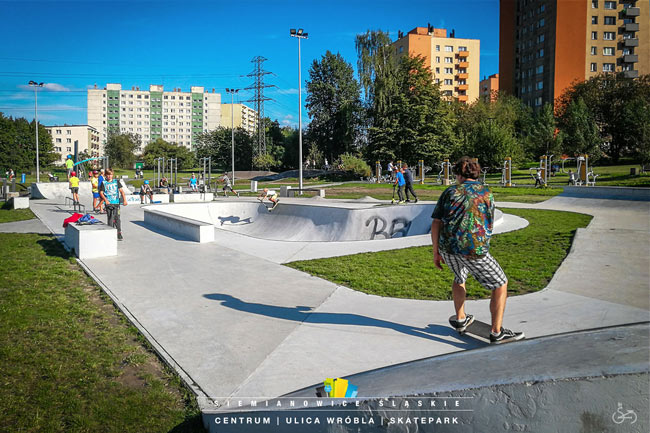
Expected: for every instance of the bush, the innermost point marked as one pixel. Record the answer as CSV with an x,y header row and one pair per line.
x,y
358,166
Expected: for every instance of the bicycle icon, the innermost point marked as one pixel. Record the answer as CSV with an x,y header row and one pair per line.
x,y
621,416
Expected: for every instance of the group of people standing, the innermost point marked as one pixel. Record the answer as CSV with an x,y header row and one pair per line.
x,y
404,183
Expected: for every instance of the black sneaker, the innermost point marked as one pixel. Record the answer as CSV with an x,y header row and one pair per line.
x,y
416,200
462,325
119,237
506,336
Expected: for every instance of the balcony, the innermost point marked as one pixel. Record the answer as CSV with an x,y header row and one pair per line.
x,y
463,54
632,42
631,74
630,58
462,65
462,87
462,98
631,12
631,27
462,76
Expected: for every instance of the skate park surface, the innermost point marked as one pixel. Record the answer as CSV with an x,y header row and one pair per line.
x,y
235,323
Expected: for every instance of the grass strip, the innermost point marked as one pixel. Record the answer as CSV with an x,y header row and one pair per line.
x,y
11,215
69,361
529,257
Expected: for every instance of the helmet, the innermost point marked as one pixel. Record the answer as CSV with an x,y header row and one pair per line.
x,y
95,172
73,173
146,182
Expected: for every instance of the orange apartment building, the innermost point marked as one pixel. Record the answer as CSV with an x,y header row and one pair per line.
x,y
488,87
454,62
545,45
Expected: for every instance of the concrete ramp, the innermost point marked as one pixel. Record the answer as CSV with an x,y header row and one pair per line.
x,y
589,381
58,190
313,223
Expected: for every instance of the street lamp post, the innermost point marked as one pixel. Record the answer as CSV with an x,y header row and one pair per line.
x,y
300,34
232,127
36,86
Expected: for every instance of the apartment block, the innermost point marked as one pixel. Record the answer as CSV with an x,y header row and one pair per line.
x,y
488,87
242,117
454,62
545,45
175,116
64,137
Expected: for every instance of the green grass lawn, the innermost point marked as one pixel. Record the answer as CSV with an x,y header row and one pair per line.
x,y
529,257
10,215
69,361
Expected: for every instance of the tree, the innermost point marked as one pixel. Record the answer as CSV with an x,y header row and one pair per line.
x,y
542,136
161,148
579,131
121,149
18,145
334,104
217,144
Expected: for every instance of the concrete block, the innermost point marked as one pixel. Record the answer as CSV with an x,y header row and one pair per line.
x,y
192,197
253,186
20,202
285,191
91,241
181,226
135,198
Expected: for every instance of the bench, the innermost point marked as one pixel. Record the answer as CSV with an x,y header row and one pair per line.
x,y
91,240
187,228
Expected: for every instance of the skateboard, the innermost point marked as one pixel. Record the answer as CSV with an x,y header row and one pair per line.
x,y
274,205
476,329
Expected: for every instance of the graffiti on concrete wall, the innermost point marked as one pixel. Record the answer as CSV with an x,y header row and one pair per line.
x,y
398,227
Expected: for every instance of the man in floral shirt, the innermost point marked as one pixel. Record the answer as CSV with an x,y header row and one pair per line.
x,y
460,233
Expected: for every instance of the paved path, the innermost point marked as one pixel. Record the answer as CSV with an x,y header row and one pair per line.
x,y
237,324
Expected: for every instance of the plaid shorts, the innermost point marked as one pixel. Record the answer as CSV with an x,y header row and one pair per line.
x,y
486,269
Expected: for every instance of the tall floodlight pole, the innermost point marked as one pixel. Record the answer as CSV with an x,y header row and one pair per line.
x,y
232,127
36,86
300,34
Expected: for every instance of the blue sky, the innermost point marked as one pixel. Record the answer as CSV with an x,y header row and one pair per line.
x,y
76,44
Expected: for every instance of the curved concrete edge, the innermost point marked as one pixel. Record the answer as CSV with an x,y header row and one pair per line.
x,y
55,190
608,192
573,380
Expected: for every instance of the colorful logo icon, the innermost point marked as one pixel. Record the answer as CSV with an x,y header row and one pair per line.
x,y
337,388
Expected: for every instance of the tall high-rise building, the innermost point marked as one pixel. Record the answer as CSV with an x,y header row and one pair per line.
x,y
545,45
244,117
65,136
176,116
454,62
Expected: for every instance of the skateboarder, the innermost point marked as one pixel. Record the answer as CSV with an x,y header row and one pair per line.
x,y
227,185
460,233
112,193
271,195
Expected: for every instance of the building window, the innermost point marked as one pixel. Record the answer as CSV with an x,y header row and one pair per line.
x,y
462,48
540,23
68,140
608,67
609,36
594,20
449,82
540,39
593,51
540,69
608,51
593,67
610,21
610,5
401,49
594,36
594,4
437,59
538,101
540,85
449,48
437,70
540,52
449,60
449,70
58,140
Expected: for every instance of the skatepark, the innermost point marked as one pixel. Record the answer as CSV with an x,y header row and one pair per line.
x,y
236,324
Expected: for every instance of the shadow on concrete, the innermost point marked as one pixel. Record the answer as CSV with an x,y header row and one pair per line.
x,y
235,220
306,315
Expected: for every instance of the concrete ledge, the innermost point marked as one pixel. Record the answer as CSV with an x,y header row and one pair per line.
x,y
185,227
20,203
135,198
91,241
608,192
192,197
54,190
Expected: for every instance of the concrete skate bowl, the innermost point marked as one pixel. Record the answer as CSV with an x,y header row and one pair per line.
x,y
302,222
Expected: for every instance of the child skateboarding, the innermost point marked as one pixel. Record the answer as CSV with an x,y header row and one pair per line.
x,y
271,195
227,185
112,193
